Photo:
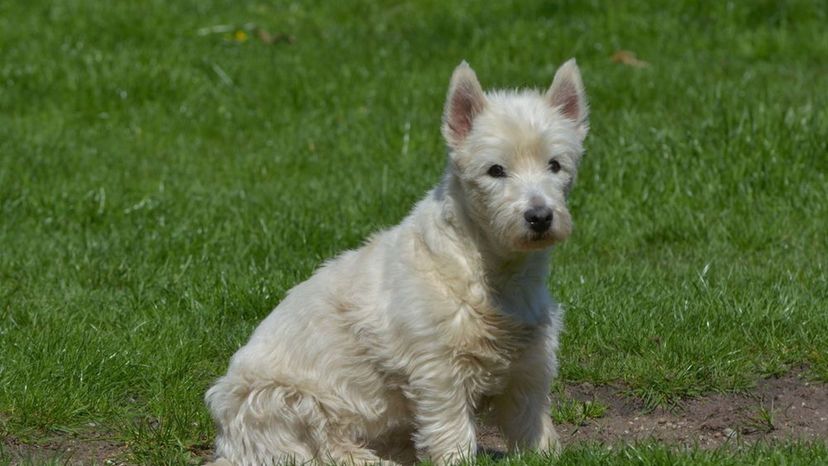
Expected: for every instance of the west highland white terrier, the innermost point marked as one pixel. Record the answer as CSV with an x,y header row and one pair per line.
x,y
391,351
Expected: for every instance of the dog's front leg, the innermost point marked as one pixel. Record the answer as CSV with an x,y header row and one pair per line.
x,y
445,428
524,421
521,411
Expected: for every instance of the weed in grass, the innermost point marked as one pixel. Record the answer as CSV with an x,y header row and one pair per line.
x,y
772,367
761,421
577,412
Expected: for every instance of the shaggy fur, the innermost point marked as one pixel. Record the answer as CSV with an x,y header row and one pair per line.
x,y
391,350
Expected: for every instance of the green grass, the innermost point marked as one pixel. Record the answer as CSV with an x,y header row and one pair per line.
x,y
162,188
658,455
577,412
573,411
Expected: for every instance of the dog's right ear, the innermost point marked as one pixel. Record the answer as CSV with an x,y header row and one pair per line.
x,y
464,102
568,96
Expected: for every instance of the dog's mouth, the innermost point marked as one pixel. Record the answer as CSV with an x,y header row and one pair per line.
x,y
531,240
534,241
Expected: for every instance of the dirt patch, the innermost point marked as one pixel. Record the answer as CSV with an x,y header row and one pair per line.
x,y
69,450
785,408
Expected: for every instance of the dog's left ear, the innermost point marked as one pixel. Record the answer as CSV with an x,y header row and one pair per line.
x,y
567,95
465,101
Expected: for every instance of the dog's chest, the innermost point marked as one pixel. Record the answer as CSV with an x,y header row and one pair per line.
x,y
486,344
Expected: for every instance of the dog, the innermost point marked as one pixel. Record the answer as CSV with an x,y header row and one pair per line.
x,y
391,351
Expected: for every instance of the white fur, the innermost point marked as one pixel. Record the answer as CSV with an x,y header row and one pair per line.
x,y
392,350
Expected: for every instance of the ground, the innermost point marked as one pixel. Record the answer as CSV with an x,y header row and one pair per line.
x,y
783,408
777,410
168,170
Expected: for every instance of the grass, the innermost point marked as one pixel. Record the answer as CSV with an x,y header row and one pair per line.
x,y
162,186
762,421
577,412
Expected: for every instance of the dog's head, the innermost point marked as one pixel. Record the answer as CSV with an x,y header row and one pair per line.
x,y
515,154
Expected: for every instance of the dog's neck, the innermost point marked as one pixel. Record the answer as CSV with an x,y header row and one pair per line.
x,y
500,267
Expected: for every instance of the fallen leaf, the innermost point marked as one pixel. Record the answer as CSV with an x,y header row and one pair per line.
x,y
625,57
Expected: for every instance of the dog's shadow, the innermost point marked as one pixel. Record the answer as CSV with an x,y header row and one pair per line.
x,y
490,454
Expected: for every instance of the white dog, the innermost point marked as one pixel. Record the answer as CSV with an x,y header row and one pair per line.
x,y
391,350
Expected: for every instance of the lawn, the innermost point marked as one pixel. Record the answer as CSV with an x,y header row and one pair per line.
x,y
168,170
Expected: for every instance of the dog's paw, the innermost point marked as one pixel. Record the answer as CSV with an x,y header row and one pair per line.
x,y
550,441
219,462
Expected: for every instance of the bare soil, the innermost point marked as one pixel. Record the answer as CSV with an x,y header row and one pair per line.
x,y
67,449
785,408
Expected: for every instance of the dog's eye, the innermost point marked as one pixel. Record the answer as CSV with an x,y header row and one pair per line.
x,y
555,166
496,171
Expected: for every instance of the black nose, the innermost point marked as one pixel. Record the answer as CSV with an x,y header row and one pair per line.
x,y
539,218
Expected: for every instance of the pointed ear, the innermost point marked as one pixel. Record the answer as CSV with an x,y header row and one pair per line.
x,y
567,95
464,102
